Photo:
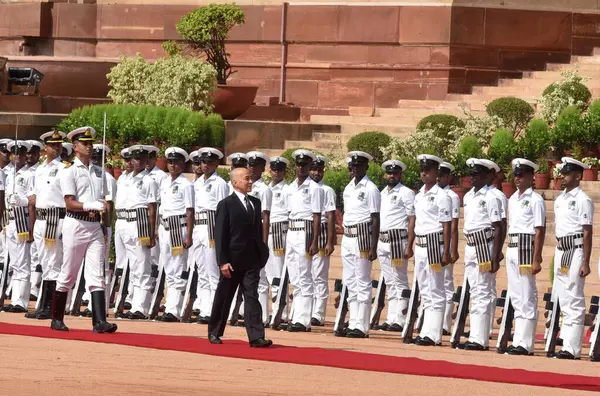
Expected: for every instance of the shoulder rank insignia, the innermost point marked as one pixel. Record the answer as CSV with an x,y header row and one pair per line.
x,y
67,164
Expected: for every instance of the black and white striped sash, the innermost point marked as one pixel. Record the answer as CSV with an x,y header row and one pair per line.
x,y
308,236
523,242
396,238
142,217
323,238
361,231
207,218
278,233
174,224
567,245
20,214
480,240
5,219
433,243
52,217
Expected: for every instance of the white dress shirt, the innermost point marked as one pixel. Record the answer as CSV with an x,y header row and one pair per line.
x,y
158,175
503,200
111,184
261,191
305,199
482,208
123,191
329,199
208,192
526,212
572,210
83,182
360,201
176,196
432,208
46,186
20,183
242,198
279,203
455,202
142,190
397,205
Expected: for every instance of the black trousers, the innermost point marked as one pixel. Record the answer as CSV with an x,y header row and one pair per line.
x,y
248,282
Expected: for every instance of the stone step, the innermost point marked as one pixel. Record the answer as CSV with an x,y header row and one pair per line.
x,y
424,112
407,120
554,75
541,83
583,67
488,97
394,130
323,147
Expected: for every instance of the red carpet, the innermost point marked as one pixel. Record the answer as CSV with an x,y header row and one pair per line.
x,y
319,357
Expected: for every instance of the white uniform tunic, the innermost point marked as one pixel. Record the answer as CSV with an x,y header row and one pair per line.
x,y
525,213
36,268
320,263
432,208
158,175
572,210
279,214
176,196
47,192
361,200
503,210
482,209
397,206
142,190
304,200
86,238
208,193
449,269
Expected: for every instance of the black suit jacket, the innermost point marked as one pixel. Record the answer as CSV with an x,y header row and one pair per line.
x,y
238,236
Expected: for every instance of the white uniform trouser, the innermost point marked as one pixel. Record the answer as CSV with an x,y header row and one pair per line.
x,y
140,269
433,295
20,264
480,284
208,270
357,278
84,241
50,257
121,257
524,299
569,290
449,292
273,269
299,268
396,280
36,277
320,276
174,266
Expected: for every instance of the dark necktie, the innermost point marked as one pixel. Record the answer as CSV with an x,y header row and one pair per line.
x,y
249,207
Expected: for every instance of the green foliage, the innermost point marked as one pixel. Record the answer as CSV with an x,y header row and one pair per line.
x,y
468,147
441,123
206,29
290,174
171,47
569,91
515,112
543,167
411,177
589,137
224,172
438,131
535,142
567,129
339,179
502,147
174,81
129,124
370,142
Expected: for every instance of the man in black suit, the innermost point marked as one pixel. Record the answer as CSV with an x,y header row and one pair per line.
x,y
241,254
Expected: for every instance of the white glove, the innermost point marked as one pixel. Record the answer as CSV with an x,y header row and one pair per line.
x,y
16,200
95,206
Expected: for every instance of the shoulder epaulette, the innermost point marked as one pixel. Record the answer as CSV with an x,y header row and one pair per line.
x,y
67,164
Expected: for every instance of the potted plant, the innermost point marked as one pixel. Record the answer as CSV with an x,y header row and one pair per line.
x,y
118,165
592,173
542,176
205,30
508,186
557,177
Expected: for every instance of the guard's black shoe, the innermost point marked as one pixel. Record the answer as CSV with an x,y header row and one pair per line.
x,y
169,317
32,315
32,297
8,308
195,312
446,332
473,346
299,328
213,339
395,327
44,314
87,313
137,315
58,325
123,315
282,327
17,309
203,319
565,355
518,351
425,341
356,333
316,322
261,343
384,327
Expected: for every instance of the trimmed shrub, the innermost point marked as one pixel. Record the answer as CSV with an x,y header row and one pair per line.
x,y
370,142
575,90
290,174
338,180
535,142
514,112
502,147
567,129
130,124
442,123
224,172
468,147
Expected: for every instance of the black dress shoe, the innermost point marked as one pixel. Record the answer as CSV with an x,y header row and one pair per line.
x,y
299,328
316,322
87,313
213,339
203,319
137,315
7,308
518,351
17,309
123,315
105,327
340,333
195,312
32,297
289,326
169,317
58,325
32,315
425,341
44,314
356,333
383,327
565,355
260,343
446,333
396,328
473,346
127,305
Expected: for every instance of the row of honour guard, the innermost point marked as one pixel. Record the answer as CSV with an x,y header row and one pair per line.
x,y
56,236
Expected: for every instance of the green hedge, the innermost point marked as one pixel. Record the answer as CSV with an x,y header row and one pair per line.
x,y
515,112
129,124
370,142
576,90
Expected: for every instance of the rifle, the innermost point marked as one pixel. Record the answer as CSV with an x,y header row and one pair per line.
x,y
339,326
506,325
123,291
78,291
380,298
594,339
554,306
413,310
458,329
191,293
235,308
4,279
281,298
159,292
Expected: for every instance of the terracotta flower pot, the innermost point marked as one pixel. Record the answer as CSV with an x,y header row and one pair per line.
x,y
460,191
110,170
508,188
231,101
590,174
466,183
542,181
117,172
161,162
557,184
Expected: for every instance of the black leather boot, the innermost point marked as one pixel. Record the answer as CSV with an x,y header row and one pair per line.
x,y
46,309
59,302
99,314
43,298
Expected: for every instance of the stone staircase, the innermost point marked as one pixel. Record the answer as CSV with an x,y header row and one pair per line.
x,y
402,120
